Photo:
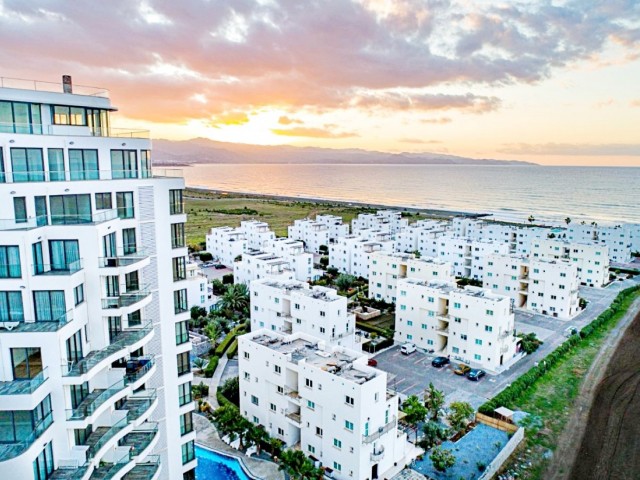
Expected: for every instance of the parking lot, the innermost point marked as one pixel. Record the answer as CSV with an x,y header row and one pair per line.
x,y
411,374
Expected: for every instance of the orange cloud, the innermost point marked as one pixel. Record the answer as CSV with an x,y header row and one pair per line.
x,y
230,118
311,133
284,120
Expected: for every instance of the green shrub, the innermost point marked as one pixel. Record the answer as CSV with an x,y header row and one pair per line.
x,y
233,349
231,336
210,369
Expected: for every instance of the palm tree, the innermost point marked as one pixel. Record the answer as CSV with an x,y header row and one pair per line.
x,y
257,435
236,299
567,220
213,330
531,219
199,363
433,401
415,412
296,465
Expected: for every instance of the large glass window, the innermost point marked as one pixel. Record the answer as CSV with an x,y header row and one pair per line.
x,y
43,464
179,269
184,393
177,235
83,164
11,308
10,262
64,255
186,423
27,165
103,201
124,203
19,425
109,245
129,244
70,209
74,348
182,332
131,282
184,366
3,177
20,209
134,319
78,393
41,210
63,115
26,362
176,204
188,452
180,300
49,305
38,259
124,164
145,164
20,117
56,164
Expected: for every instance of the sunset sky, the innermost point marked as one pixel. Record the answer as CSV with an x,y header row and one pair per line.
x,y
554,82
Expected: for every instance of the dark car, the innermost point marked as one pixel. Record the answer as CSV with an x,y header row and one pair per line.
x,y
372,362
219,266
476,374
440,362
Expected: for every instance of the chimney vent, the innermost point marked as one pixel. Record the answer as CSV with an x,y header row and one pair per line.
x,y
67,86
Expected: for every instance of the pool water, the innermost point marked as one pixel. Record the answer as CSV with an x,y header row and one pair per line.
x,y
214,466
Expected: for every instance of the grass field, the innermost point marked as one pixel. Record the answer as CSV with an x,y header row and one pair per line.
x,y
209,209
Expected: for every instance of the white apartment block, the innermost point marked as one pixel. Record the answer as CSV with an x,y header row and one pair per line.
x,y
257,233
618,238
95,377
467,257
325,229
323,400
549,287
385,269
199,292
352,254
336,225
518,237
386,220
471,325
592,261
300,262
226,244
413,237
294,306
256,265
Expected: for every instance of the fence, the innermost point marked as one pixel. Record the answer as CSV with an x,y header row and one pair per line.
x,y
504,454
496,423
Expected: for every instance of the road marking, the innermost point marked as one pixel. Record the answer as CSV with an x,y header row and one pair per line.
x,y
404,390
418,361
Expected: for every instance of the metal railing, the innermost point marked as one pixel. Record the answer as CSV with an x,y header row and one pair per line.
x,y
25,386
122,259
57,269
126,299
52,87
51,176
381,431
51,220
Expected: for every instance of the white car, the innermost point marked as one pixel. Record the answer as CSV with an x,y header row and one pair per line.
x,y
407,348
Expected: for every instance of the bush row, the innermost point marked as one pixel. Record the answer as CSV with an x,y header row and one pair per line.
x,y
211,367
224,401
369,348
233,349
371,328
228,340
514,391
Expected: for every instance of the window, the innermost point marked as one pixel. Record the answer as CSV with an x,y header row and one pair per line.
x,y
311,405
182,332
319,431
455,349
184,366
281,431
27,165
124,204
20,117
186,423
337,443
78,294
349,400
323,314
83,165
20,209
489,312
477,357
246,355
180,301
348,425
410,323
488,328
131,282
188,452
430,299
26,363
10,262
63,115
74,348
478,341
129,243
311,449
103,201
43,464
179,268
64,255
124,164
409,337
277,369
176,203
337,466
184,393
247,376
70,209
49,305
308,383
177,235
463,337
456,305
272,407
55,157
255,400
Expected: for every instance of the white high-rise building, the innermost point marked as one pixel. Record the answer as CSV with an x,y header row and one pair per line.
x,y
385,269
352,254
95,372
226,244
539,285
471,325
324,400
591,260
294,306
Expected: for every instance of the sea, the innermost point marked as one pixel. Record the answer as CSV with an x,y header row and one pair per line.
x,y
601,194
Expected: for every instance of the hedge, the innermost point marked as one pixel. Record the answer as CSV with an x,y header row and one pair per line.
x,y
231,336
233,349
224,401
371,328
369,348
211,367
514,391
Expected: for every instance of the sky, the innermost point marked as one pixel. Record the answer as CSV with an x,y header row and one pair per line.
x,y
553,82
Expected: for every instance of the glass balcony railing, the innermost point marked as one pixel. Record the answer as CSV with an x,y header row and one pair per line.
x,y
140,438
126,299
122,260
46,220
54,87
95,400
71,175
39,326
144,470
12,450
101,436
110,470
138,367
138,404
57,269
122,340
24,386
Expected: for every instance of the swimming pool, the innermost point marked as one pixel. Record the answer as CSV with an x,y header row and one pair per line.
x,y
214,466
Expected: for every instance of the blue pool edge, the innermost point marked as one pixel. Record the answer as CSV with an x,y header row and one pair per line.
x,y
239,459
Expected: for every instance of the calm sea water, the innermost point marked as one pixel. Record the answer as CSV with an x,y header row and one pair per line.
x,y
510,192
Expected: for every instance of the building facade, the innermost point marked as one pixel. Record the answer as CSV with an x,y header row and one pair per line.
x,y
592,261
226,244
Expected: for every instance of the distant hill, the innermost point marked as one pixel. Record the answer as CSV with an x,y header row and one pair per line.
x,y
203,150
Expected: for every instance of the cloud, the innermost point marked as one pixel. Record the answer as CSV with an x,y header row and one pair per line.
x,y
419,141
573,149
635,103
436,121
310,132
284,120
242,55
229,118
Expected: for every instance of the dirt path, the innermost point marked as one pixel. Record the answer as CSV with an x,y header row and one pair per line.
x,y
601,439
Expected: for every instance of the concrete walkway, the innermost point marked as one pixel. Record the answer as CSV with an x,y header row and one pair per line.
x,y
213,382
207,436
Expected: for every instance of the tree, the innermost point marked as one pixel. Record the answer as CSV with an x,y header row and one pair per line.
x,y
415,412
218,287
529,342
197,312
433,401
225,419
531,219
235,300
296,464
345,281
199,363
324,261
417,253
567,220
434,433
323,249
460,414
256,435
231,390
442,459
213,330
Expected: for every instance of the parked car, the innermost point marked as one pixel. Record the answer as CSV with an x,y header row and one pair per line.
x,y
462,369
219,266
372,362
440,362
476,374
407,348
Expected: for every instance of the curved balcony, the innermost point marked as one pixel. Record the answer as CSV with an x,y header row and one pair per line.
x,y
129,300
139,405
108,471
102,436
12,450
123,263
24,386
38,326
140,439
139,370
147,470
95,400
377,454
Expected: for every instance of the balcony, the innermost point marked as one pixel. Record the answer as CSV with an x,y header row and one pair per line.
x,y
138,367
294,416
122,340
377,454
26,386
57,269
107,471
140,439
51,87
38,326
12,450
94,401
46,220
139,404
102,435
125,299
443,331
146,470
122,260
381,431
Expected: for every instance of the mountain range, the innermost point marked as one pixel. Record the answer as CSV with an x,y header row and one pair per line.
x,y
203,150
